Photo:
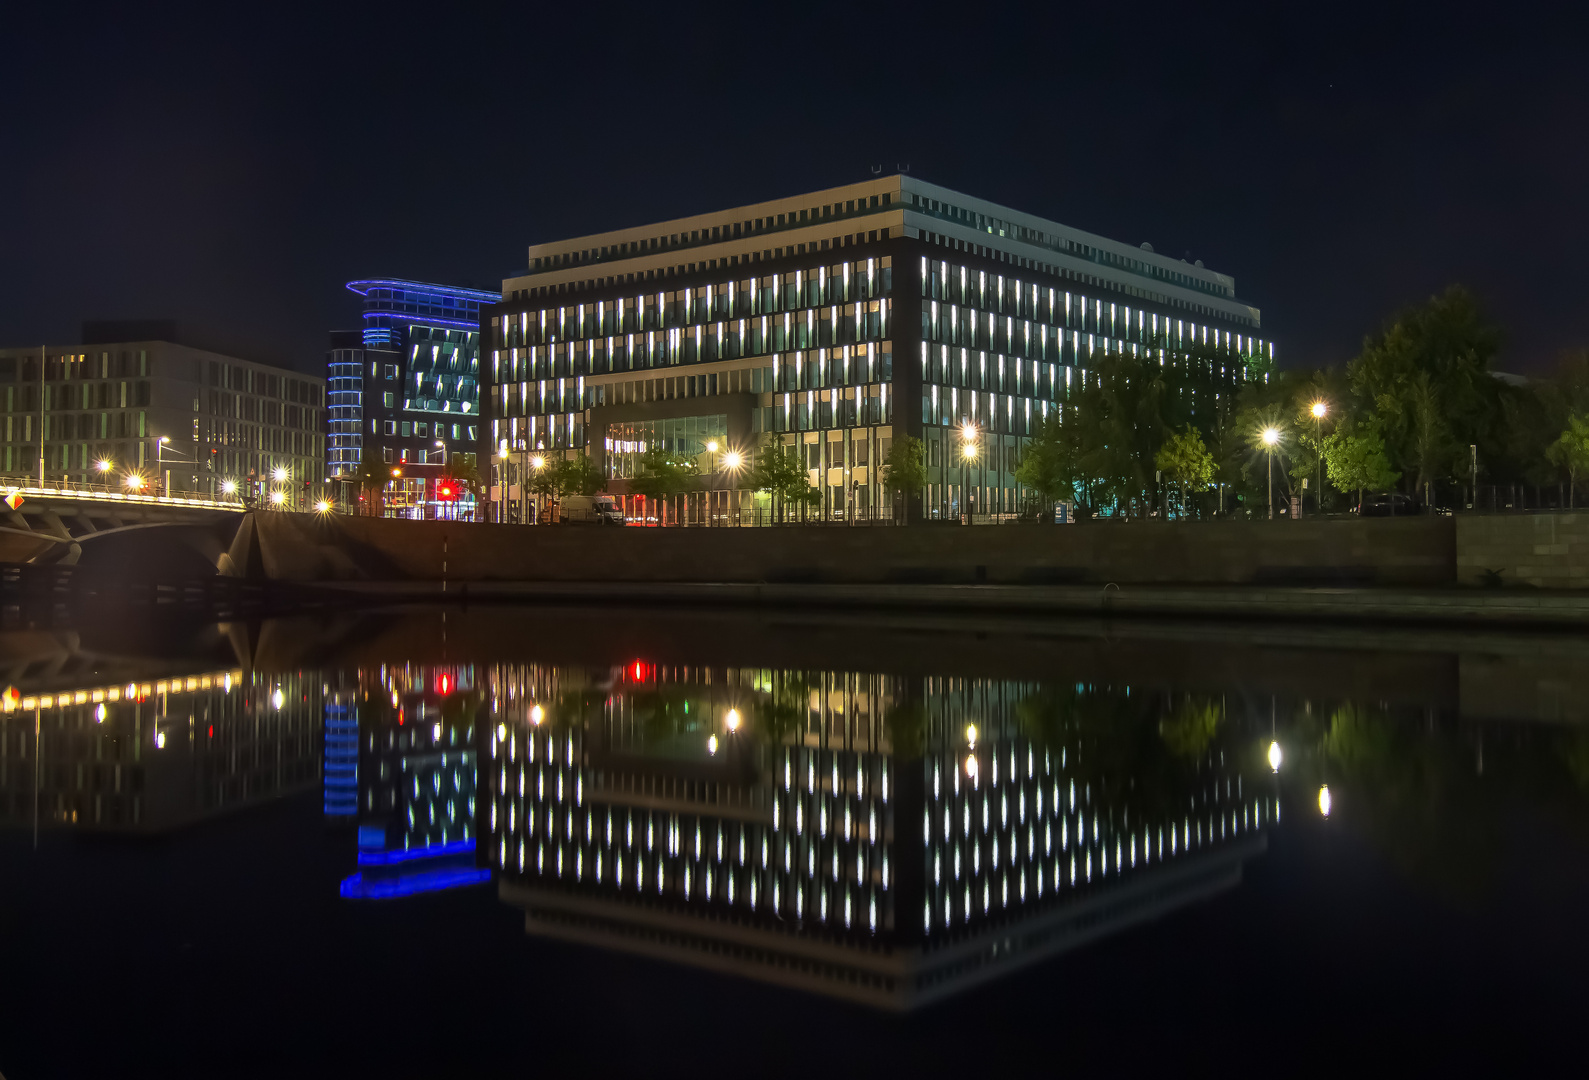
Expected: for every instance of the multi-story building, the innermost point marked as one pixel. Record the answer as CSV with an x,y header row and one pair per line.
x,y
838,320
135,403
405,389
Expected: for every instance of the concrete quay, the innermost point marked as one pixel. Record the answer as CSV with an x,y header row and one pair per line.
x,y
1429,606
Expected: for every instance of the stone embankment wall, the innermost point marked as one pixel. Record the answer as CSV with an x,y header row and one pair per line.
x,y
1546,550
301,547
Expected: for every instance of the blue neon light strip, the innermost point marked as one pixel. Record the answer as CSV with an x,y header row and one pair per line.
x,y
453,291
358,887
434,851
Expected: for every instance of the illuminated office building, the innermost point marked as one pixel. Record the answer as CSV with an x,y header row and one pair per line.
x,y
836,320
405,389
883,839
141,400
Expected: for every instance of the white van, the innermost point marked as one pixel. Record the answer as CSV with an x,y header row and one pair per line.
x,y
589,510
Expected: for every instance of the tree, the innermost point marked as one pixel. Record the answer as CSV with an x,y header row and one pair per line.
x,y
371,477
905,468
779,473
1356,460
1186,461
1570,451
578,475
1427,377
664,474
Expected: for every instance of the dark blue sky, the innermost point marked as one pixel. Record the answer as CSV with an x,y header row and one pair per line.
x,y
232,167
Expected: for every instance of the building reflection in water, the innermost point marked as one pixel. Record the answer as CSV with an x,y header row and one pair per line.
x,y
400,761
147,756
882,839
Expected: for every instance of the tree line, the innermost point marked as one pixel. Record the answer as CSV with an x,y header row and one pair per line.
x,y
1420,408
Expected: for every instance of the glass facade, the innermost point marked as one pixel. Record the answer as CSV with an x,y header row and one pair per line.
x,y
414,380
941,313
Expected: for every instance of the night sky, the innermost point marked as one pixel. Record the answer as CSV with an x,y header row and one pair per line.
x,y
231,167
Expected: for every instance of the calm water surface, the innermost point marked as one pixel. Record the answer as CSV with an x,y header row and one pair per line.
x,y
449,842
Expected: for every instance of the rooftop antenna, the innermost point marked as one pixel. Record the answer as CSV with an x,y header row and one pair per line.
x,y
905,168
877,170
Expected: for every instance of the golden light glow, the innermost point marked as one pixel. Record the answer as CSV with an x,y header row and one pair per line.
x,y
1275,757
971,766
278,497
229,487
103,465
711,745
135,481
968,432
733,459
1271,436
971,734
280,475
537,714
732,720
323,507
537,462
711,446
397,472
1324,800
1319,409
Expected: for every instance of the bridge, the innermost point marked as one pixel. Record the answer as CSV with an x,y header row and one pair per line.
x,y
64,525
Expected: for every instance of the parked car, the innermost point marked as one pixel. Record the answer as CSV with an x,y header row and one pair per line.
x,y
1396,505
589,510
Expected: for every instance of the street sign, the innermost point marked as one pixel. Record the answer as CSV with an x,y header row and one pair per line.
x,y
14,498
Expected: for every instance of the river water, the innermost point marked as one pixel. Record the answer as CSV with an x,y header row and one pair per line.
x,y
451,841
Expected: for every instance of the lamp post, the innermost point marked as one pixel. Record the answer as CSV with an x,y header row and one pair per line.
x,y
1318,410
968,454
103,467
538,462
1271,438
733,461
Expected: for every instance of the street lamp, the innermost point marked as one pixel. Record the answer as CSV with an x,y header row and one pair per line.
x,y
229,487
1318,409
538,463
968,454
1271,439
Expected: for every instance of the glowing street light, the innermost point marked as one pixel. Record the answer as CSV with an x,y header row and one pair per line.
x,y
323,507
537,462
1324,801
1271,438
280,475
711,446
733,460
1275,757
229,487
1318,409
968,454
135,482
732,720
104,465
711,745
537,714
278,497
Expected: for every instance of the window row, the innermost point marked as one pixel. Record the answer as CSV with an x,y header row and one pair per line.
x,y
826,286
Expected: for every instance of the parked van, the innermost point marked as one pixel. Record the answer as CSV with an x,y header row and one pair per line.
x,y
589,510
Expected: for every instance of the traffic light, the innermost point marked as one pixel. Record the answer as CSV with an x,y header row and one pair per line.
x,y
446,490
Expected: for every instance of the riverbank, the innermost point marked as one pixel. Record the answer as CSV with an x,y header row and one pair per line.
x,y
1427,606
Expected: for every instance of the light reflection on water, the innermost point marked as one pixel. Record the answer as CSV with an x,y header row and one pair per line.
x,y
886,822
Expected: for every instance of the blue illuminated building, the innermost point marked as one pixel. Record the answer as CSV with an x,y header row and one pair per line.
x,y
405,388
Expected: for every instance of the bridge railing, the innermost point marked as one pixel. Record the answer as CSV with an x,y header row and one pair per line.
x,y
30,488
